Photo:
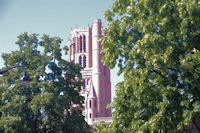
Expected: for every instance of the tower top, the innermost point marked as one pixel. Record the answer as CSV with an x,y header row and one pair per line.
x,y
97,21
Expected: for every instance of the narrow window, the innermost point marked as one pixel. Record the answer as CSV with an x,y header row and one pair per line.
x,y
90,115
88,81
84,62
84,84
90,104
74,48
81,44
84,43
80,60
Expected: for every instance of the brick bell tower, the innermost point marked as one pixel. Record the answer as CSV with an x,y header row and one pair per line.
x,y
84,49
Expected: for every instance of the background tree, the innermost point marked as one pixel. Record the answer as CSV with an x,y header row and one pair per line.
x,y
156,45
47,103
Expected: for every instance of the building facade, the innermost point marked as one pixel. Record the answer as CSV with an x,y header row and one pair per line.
x,y
84,49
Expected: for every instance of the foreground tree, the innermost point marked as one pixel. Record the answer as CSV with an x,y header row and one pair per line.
x,y
156,45
47,103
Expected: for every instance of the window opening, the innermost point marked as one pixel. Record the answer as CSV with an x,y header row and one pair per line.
x,y
84,44
84,62
90,115
90,104
80,60
81,44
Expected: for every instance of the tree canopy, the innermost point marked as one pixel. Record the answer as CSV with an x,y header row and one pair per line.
x,y
49,103
156,44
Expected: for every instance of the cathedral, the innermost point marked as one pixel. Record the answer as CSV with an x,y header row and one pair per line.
x,y
85,47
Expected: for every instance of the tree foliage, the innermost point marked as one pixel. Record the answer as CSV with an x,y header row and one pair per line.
x,y
47,104
156,45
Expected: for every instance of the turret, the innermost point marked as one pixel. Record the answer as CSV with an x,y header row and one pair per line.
x,y
91,101
97,67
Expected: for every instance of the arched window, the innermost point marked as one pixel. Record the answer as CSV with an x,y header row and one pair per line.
x,y
90,115
80,60
81,44
84,43
90,104
84,62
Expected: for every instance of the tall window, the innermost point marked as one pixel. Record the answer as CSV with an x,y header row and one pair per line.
x,y
84,62
90,115
81,44
80,60
84,84
84,43
90,104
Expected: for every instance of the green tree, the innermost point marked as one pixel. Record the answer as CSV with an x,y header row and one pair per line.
x,y
156,44
47,104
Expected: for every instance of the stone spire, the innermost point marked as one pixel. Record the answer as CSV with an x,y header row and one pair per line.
x,y
92,93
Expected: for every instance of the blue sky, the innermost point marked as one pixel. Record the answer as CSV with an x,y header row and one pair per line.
x,y
52,17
